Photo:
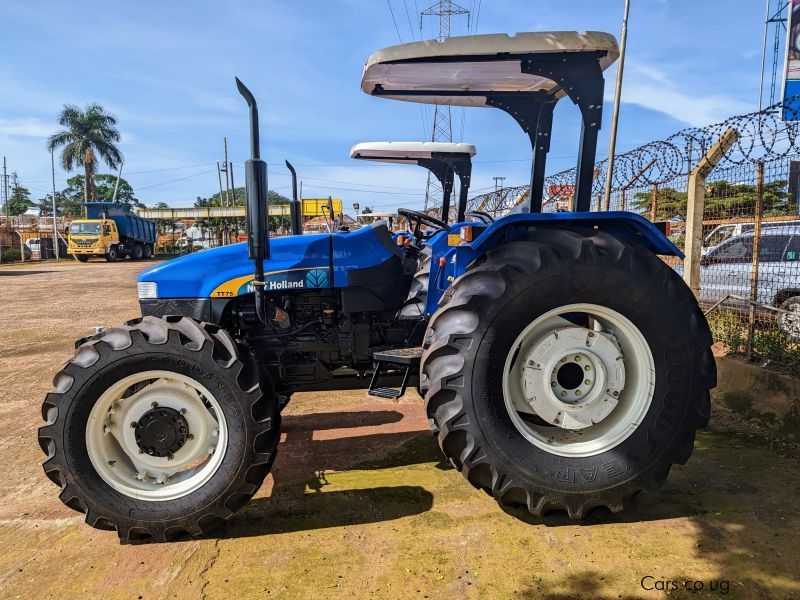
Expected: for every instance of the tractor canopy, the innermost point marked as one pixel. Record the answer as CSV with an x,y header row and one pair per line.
x,y
442,159
524,75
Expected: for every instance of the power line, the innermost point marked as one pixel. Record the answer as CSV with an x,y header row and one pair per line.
x,y
396,28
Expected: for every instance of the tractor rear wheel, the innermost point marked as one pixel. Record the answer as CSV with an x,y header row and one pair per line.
x,y
567,371
159,427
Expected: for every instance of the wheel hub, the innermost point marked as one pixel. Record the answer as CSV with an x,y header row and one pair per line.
x,y
161,431
573,377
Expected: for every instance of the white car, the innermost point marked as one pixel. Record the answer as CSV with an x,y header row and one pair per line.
x,y
727,271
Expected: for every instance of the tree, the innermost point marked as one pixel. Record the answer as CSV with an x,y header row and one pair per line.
x,y
88,134
104,189
723,200
367,210
19,198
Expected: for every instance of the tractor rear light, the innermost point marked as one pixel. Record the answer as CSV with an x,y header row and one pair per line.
x,y
148,290
442,261
466,233
401,240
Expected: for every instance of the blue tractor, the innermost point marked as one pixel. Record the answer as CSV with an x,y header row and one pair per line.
x,y
564,365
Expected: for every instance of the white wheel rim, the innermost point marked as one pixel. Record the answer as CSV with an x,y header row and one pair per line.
x,y
123,465
575,391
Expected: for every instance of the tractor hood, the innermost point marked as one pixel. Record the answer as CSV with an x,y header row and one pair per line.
x,y
295,262
226,271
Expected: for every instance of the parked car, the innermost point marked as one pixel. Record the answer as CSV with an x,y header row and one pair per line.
x,y
33,245
727,270
724,232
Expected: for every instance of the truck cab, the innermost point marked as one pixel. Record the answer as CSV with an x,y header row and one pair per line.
x,y
91,237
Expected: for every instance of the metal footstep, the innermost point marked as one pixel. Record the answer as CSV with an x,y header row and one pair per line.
x,y
401,359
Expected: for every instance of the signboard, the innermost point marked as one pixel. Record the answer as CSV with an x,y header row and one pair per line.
x,y
791,80
318,207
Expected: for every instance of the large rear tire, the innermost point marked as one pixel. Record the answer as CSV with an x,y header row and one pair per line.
x,y
137,253
159,427
505,406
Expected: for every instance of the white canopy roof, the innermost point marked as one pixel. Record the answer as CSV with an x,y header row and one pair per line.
x,y
407,152
501,75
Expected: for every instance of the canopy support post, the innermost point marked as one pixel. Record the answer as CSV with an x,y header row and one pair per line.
x,y
580,77
534,113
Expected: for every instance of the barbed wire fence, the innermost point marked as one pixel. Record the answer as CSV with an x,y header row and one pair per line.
x,y
750,264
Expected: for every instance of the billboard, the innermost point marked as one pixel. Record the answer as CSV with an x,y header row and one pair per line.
x,y
791,79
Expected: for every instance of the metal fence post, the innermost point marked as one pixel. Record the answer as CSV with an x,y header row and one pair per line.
x,y
695,204
654,202
759,213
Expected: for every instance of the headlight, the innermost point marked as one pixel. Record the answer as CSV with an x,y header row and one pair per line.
x,y
148,290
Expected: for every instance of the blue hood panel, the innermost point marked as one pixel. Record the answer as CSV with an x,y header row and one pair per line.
x,y
296,262
227,271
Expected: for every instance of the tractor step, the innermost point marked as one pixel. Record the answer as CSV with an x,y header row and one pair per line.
x,y
402,359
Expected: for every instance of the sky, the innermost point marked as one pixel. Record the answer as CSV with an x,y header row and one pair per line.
x,y
166,71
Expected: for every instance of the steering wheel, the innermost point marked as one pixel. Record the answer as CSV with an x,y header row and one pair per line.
x,y
481,216
418,218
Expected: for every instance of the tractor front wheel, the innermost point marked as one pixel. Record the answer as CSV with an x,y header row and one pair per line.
x,y
567,371
158,428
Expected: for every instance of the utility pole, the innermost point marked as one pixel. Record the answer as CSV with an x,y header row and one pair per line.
x,y
227,193
116,183
5,192
55,215
219,177
498,183
612,146
442,130
233,188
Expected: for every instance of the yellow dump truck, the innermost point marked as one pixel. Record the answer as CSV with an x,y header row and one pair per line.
x,y
110,232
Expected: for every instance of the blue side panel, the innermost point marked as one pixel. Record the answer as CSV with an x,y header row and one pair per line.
x,y
303,258
360,249
625,225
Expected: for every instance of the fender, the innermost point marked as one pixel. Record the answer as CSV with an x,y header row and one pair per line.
x,y
627,226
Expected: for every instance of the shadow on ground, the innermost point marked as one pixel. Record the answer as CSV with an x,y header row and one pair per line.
x,y
299,501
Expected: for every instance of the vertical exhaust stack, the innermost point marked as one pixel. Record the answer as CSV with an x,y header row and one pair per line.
x,y
295,212
255,172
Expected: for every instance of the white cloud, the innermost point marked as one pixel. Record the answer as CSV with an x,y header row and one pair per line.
x,y
26,127
652,87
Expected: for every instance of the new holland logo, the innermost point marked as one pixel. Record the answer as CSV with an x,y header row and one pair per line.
x,y
316,278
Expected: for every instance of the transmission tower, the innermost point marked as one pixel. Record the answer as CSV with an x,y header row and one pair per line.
x,y
442,130
776,21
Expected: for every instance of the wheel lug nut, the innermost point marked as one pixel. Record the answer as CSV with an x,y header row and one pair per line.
x,y
577,392
154,405
111,463
107,429
553,383
134,425
183,411
190,436
577,359
588,367
563,394
587,382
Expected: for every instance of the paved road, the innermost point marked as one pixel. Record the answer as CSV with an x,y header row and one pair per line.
x,y
402,524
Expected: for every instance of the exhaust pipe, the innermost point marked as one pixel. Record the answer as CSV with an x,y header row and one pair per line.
x,y
295,210
255,173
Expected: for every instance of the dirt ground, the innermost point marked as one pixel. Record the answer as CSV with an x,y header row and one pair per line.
x,y
360,503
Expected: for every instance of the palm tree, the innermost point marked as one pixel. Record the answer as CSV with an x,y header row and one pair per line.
x,y
88,133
